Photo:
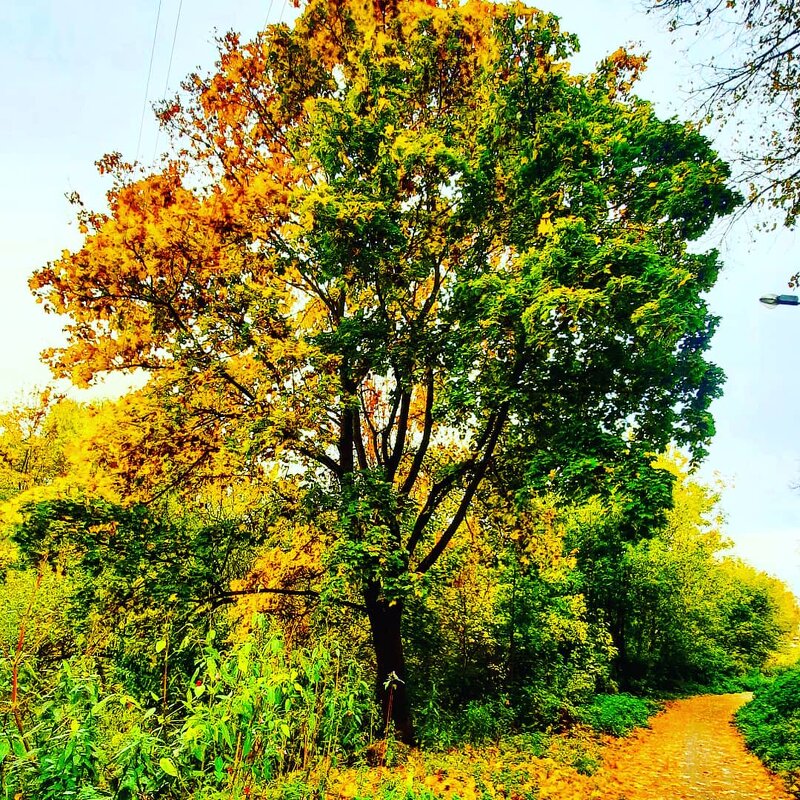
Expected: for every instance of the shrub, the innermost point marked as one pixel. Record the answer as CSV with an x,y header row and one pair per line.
x,y
770,723
262,711
487,720
80,741
750,682
249,715
618,714
476,722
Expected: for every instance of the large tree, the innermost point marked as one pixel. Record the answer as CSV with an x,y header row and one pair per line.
x,y
395,241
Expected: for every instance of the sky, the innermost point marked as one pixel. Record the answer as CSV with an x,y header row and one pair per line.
x,y
76,86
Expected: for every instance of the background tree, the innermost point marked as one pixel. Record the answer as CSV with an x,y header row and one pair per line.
x,y
33,438
395,241
688,613
755,73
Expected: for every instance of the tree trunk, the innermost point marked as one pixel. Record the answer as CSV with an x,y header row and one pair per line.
x,y
390,685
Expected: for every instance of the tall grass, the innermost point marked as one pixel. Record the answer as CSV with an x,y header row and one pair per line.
x,y
250,715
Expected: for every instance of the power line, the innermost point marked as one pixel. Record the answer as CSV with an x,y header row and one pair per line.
x,y
169,69
269,14
147,86
172,49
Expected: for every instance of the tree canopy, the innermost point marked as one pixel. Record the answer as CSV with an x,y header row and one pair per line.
x,y
395,247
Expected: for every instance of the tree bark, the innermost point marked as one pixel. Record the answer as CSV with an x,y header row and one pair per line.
x,y
390,682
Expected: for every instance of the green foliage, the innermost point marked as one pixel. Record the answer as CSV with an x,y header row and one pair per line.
x,y
680,613
732,684
180,558
503,636
252,714
82,741
136,575
266,710
618,714
440,726
396,247
770,723
428,303
503,639
39,604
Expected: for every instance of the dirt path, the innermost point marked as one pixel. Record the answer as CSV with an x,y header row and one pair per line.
x,y
692,752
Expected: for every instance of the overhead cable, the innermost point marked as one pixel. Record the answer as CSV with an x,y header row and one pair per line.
x,y
169,69
147,85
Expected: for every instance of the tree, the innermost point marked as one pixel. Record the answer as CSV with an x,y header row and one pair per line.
x,y
674,593
43,442
393,241
136,575
756,71
691,614
33,436
503,635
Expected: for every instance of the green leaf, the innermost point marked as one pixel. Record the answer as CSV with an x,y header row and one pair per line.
x,y
5,749
160,645
225,733
168,766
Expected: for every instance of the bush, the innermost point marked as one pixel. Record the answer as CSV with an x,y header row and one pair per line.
x,y
262,711
476,722
618,714
750,682
487,720
249,716
770,723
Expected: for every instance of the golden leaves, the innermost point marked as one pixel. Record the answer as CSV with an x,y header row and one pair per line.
x,y
545,226
642,766
493,772
621,71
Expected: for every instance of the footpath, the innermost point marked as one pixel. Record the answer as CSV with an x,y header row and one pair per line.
x,y
691,752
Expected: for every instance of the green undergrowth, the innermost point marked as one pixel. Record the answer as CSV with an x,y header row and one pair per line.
x,y
264,721
770,724
619,714
725,684
249,716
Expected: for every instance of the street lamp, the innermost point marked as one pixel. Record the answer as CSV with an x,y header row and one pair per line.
x,y
772,300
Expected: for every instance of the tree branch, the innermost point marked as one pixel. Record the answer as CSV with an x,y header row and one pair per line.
x,y
361,452
400,437
320,458
427,427
387,429
461,512
373,431
311,594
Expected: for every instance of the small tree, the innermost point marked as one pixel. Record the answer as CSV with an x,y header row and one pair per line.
x,y
393,241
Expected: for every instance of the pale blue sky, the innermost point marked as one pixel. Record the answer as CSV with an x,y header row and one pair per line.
x,y
73,89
